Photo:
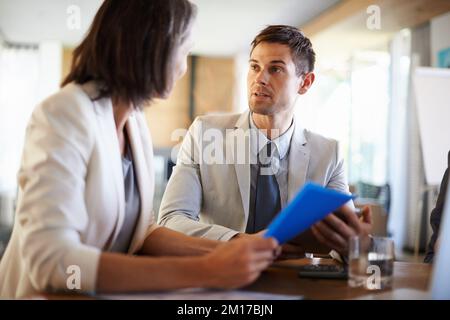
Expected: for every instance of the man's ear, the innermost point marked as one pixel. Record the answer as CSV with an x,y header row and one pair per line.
x,y
307,82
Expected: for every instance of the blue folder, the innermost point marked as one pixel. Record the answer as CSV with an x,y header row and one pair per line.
x,y
310,205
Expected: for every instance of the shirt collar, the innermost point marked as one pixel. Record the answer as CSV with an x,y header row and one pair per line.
x,y
258,140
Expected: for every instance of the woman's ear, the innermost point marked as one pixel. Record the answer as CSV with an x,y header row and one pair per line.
x,y
308,80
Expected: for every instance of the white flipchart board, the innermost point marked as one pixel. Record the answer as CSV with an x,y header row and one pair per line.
x,y
432,93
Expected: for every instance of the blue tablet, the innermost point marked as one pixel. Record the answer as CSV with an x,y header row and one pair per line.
x,y
310,205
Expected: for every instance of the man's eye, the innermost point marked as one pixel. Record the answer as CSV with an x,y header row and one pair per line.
x,y
253,67
275,69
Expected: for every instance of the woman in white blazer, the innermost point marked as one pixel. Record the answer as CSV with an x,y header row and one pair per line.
x,y
83,222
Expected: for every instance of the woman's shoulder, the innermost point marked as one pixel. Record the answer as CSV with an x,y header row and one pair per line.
x,y
69,110
74,104
70,98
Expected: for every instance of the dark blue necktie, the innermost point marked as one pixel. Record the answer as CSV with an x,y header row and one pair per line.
x,y
267,200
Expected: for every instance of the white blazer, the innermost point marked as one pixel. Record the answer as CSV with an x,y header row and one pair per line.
x,y
71,192
212,200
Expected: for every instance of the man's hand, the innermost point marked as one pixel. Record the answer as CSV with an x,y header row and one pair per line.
x,y
336,232
238,263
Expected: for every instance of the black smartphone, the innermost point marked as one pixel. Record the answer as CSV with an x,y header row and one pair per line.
x,y
323,271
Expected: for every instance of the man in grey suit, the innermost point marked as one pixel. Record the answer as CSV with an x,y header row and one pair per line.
x,y
234,173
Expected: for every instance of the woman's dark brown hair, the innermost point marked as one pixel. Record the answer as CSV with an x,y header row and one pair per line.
x,y
129,48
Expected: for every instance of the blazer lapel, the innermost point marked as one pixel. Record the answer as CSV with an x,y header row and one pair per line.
x,y
238,146
104,110
298,161
145,182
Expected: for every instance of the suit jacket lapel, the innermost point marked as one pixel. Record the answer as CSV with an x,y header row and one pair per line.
x,y
298,161
299,155
104,110
144,181
238,147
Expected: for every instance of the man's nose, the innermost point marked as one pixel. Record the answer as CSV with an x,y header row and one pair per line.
x,y
261,77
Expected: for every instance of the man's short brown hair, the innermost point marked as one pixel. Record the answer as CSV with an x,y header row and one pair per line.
x,y
302,52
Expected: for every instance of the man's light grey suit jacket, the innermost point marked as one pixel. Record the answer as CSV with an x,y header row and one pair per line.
x,y
212,200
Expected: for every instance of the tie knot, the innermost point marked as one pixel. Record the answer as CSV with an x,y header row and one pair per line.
x,y
267,157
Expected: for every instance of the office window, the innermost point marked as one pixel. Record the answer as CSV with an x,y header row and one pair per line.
x,y
28,74
369,118
349,102
19,69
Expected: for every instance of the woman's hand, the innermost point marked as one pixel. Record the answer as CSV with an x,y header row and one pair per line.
x,y
259,234
291,251
239,262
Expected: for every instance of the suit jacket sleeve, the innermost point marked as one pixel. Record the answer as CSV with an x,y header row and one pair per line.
x,y
338,180
436,215
182,200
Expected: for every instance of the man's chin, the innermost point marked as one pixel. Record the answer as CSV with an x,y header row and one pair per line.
x,y
264,110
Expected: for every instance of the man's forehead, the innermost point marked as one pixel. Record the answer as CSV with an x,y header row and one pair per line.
x,y
266,52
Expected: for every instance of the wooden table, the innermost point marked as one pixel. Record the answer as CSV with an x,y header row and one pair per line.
x,y
282,278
